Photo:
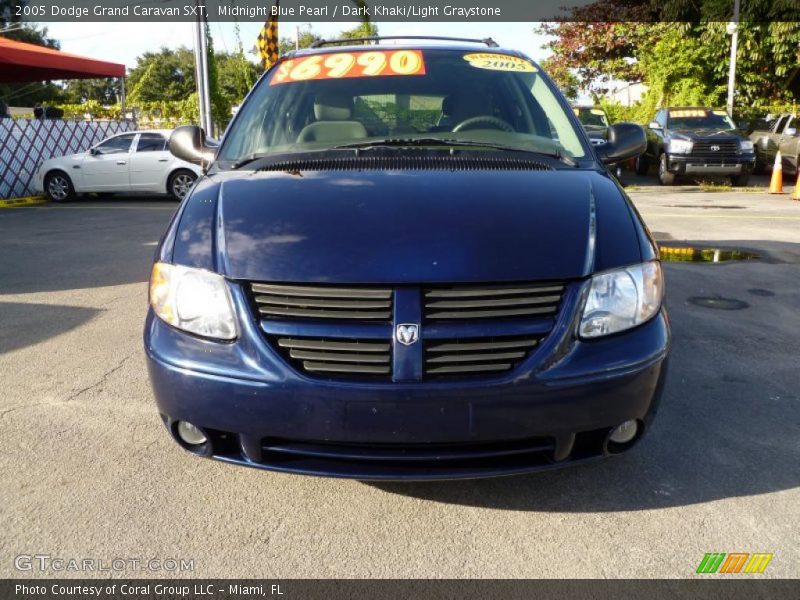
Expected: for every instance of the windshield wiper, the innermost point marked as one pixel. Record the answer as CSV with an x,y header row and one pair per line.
x,y
248,159
431,141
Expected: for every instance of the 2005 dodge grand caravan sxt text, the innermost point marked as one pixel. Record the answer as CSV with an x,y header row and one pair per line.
x,y
407,262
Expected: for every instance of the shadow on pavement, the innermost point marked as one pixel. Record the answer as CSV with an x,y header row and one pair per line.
x,y
28,324
727,424
82,244
686,184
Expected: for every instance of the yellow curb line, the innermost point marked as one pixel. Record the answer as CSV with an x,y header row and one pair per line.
x,y
27,201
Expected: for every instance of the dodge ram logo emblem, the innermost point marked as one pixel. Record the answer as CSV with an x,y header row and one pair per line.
x,y
407,333
715,148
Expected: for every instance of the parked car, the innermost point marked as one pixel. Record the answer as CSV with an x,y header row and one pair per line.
x,y
771,135
136,161
407,262
595,121
696,141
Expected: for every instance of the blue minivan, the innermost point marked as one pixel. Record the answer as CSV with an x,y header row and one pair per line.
x,y
407,261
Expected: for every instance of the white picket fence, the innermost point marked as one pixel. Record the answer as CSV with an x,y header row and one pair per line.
x,y
27,143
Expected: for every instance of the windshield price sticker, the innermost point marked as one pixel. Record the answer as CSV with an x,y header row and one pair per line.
x,y
499,62
688,113
350,64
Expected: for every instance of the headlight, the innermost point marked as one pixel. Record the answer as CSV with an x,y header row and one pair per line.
x,y
746,145
193,300
680,146
621,299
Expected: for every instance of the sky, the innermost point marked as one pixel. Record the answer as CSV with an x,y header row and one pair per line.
x,y
123,42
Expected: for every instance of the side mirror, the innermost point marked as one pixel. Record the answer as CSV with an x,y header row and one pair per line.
x,y
654,125
94,151
189,143
790,131
625,140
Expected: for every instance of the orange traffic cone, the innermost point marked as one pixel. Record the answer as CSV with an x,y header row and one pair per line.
x,y
776,183
796,191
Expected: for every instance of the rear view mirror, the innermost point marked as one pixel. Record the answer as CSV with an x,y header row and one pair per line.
x,y
625,140
189,143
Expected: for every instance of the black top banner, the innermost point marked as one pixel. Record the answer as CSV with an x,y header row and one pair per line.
x,y
761,11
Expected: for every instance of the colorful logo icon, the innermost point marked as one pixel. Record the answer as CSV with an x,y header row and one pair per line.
x,y
734,562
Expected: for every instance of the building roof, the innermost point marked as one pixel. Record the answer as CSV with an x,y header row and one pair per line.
x,y
20,62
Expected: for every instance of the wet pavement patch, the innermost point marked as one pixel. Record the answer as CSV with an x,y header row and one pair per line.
x,y
760,292
718,302
719,206
702,254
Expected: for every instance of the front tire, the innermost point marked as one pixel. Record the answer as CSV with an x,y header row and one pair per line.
x,y
180,183
740,180
642,165
664,176
58,187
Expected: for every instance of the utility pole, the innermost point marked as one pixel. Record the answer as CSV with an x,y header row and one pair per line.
x,y
201,68
733,31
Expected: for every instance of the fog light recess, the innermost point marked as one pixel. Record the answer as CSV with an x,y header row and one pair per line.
x,y
623,436
190,434
624,433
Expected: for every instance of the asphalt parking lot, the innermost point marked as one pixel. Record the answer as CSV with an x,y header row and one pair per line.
x,y
90,472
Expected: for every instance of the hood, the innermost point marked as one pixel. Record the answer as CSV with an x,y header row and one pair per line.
x,y
375,226
706,134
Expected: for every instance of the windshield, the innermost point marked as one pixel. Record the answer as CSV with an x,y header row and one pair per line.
x,y
592,117
327,100
698,118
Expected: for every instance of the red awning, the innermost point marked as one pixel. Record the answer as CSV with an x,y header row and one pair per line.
x,y
26,62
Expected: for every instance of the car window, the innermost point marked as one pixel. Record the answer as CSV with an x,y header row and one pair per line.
x,y
320,101
116,145
592,117
392,113
151,142
699,118
781,124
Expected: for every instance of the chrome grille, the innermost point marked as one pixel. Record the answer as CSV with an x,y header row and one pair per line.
x,y
727,149
346,332
476,356
323,302
494,302
330,356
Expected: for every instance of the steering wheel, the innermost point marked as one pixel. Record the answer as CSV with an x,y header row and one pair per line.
x,y
494,122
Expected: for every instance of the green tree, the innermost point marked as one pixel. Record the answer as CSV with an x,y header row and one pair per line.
x,y
164,75
236,76
681,62
307,39
103,91
220,104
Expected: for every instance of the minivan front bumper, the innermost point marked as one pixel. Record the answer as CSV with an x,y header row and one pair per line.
x,y
556,408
